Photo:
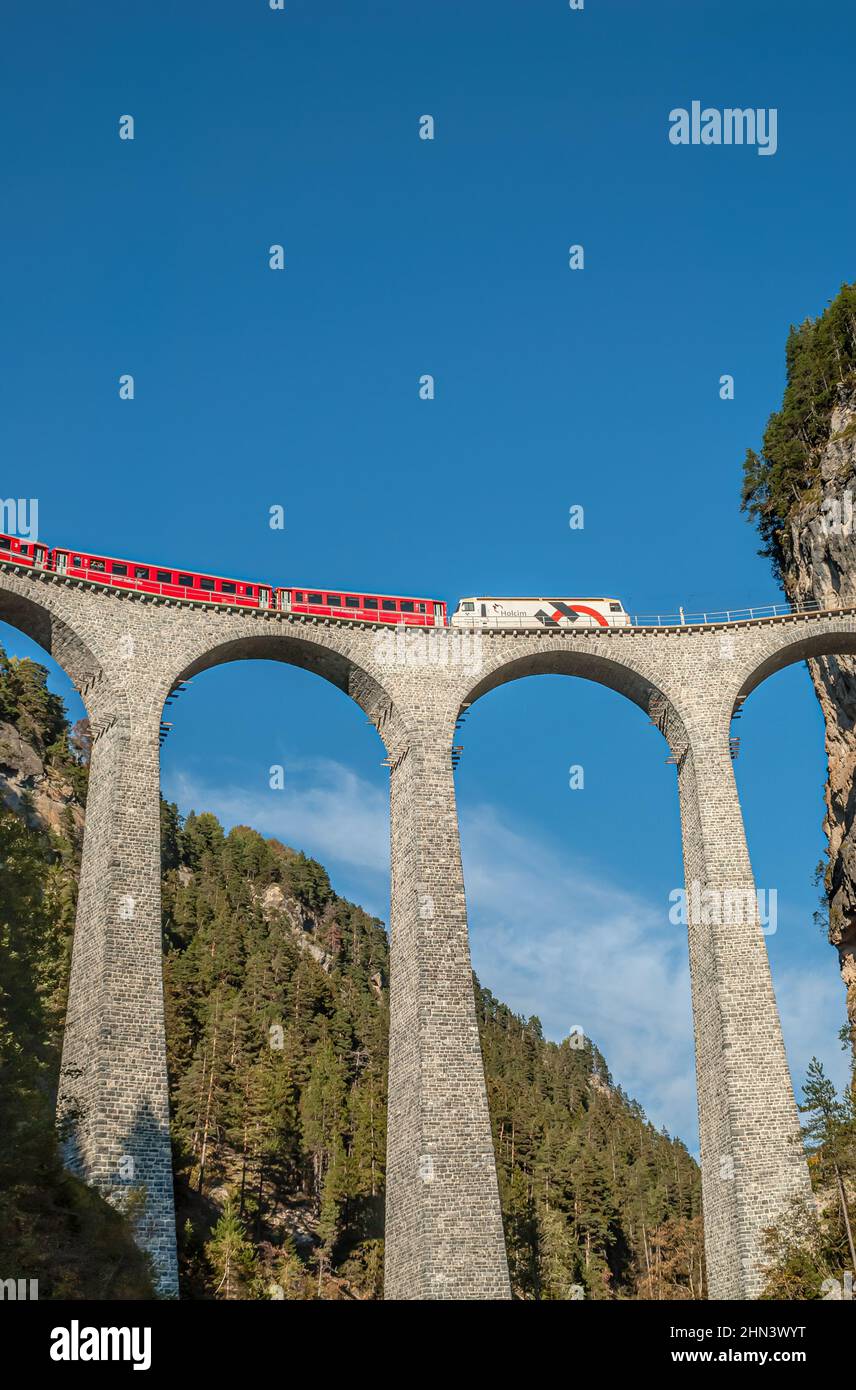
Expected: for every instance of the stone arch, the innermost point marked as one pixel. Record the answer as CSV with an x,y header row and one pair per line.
x,y
69,646
781,648
778,648
624,677
336,665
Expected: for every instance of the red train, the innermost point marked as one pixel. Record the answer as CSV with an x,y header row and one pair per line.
x,y
212,588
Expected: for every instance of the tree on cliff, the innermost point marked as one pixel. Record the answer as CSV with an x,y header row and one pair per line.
x,y
819,356
810,1251
803,478
831,1138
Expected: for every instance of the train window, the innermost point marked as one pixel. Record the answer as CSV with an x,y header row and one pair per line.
x,y
141,573
298,596
420,608
315,598
615,608
96,565
206,584
118,568
467,607
334,600
250,590
351,601
186,580
370,603
164,576
388,604
76,560
5,543
227,588
407,606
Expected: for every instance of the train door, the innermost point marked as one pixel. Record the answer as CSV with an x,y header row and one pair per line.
x,y
283,600
60,561
264,596
39,553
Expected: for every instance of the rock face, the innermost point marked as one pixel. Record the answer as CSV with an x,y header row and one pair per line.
x,y
301,924
33,791
819,548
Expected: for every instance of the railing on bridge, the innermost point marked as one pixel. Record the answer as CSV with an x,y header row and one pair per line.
x,y
469,623
726,615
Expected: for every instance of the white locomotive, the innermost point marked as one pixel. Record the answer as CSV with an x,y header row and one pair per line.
x,y
540,612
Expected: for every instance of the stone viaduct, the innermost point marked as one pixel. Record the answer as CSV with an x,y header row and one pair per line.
x,y
126,651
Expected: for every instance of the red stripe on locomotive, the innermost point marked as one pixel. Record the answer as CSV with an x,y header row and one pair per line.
x,y
584,608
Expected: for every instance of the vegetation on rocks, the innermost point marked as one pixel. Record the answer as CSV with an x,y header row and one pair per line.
x,y
820,356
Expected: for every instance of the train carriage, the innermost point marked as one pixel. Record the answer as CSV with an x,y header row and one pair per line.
x,y
34,554
540,612
210,588
159,580
366,608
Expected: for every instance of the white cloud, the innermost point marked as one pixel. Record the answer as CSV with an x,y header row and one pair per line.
x,y
812,1009
324,809
552,938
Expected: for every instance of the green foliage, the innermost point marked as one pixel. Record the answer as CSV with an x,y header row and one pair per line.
x,y
289,1275
820,355
808,1252
830,1132
52,1227
231,1257
25,701
277,1042
591,1193
39,717
307,881
798,1256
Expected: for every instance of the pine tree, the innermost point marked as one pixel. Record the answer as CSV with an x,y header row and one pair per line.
x,y
560,1259
231,1257
831,1135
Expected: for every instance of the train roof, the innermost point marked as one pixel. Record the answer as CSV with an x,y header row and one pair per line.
x,y
355,593
263,583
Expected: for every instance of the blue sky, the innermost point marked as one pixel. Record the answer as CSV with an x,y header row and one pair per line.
x,y
597,387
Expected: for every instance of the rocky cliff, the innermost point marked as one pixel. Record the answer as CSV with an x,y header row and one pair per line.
x,y
802,493
819,563
43,795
